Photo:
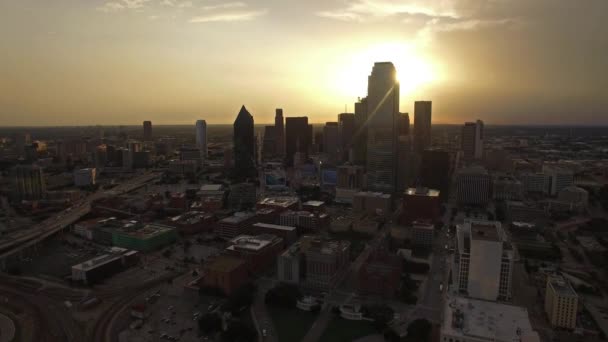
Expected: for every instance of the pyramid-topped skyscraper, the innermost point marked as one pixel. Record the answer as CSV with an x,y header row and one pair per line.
x,y
244,145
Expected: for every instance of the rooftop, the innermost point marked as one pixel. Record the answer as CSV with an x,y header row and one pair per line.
x,y
486,320
373,194
420,191
238,217
224,263
212,187
484,231
274,226
284,201
314,203
144,232
561,286
252,243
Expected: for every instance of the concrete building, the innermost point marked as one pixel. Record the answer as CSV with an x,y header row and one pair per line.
x,y
325,263
470,320
374,203
85,177
561,303
574,198
422,125
484,261
535,183
291,266
280,203
422,233
383,100
360,138
507,188
193,222
226,273
471,140
147,130
473,186
242,196
258,251
29,182
95,270
420,204
560,178
289,234
201,137
305,221
233,226
143,238
350,181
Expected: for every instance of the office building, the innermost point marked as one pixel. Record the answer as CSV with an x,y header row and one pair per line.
x,y
226,273
289,234
258,251
420,204
422,233
435,170
535,183
201,137
372,203
99,268
473,186
422,125
147,130
242,196
325,263
331,141
279,132
561,303
484,261
507,188
403,124
244,145
85,177
347,127
29,182
406,163
269,143
143,238
471,140
280,203
470,320
291,263
298,138
383,103
235,225
360,135
560,178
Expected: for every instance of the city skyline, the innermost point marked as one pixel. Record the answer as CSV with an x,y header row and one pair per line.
x,y
175,61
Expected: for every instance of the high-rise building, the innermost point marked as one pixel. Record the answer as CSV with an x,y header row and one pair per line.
x,y
403,124
298,138
559,178
360,135
201,137
484,263
422,125
383,115
244,145
346,122
471,140
269,143
473,186
29,182
561,303
435,170
279,131
147,130
331,141
325,261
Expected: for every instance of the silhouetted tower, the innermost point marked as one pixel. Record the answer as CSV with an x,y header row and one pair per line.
x,y
244,145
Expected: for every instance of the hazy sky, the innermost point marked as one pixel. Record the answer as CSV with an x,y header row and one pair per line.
x,y
75,62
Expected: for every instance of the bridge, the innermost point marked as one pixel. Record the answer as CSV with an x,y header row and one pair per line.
x,y
14,243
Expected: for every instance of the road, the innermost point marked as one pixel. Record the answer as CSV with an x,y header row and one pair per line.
x,y
260,313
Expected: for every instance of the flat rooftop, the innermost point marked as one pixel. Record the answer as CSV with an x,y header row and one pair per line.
x,y
274,226
238,218
485,320
251,242
484,231
373,194
224,263
212,187
144,232
283,201
561,286
314,203
422,192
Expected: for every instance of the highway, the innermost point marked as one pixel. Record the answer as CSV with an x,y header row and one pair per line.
x,y
14,243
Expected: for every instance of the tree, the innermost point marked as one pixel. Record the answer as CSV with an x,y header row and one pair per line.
x,y
240,299
380,314
238,331
419,331
283,295
209,323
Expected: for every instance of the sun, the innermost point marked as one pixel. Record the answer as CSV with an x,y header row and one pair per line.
x,y
413,71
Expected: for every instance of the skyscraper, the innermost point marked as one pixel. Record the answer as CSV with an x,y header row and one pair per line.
x,y
269,143
403,126
201,137
346,122
29,182
298,137
383,114
147,130
422,125
331,141
471,140
279,132
360,135
244,145
435,170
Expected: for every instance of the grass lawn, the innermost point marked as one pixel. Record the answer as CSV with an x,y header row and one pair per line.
x,y
291,324
343,330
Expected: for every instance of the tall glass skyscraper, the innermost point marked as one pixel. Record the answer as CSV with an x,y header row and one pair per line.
x,y
382,120
201,136
244,145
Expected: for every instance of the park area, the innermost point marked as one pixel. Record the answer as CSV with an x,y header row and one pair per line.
x,y
291,324
343,330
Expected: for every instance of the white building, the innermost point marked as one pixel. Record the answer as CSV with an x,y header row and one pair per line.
x,y
85,177
484,261
201,137
470,320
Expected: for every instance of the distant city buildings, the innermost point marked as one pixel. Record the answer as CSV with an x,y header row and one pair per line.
x,y
473,186
29,182
85,177
471,140
147,130
422,125
298,138
201,137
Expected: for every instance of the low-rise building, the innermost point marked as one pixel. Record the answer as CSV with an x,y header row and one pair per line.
x,y
95,270
85,177
280,203
380,274
235,225
372,203
193,222
143,237
471,320
561,303
507,188
289,234
420,204
326,260
259,251
226,273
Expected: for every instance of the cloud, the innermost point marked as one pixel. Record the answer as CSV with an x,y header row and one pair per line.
x,y
113,6
361,10
224,6
228,17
